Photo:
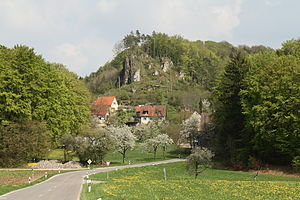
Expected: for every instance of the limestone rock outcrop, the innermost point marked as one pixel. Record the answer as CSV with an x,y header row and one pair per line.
x,y
130,73
166,65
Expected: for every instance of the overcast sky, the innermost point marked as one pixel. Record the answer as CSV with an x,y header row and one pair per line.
x,y
81,33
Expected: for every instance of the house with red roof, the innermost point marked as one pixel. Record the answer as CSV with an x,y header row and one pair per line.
x,y
147,113
104,106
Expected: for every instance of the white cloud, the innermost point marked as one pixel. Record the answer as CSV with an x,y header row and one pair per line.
x,y
227,18
20,14
42,16
83,56
81,33
196,19
70,55
272,2
106,6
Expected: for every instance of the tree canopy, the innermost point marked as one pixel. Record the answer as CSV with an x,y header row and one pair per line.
x,y
32,89
271,104
257,109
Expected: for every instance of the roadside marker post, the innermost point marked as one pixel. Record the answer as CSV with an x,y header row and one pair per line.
x,y
29,179
89,185
165,174
89,188
89,162
89,181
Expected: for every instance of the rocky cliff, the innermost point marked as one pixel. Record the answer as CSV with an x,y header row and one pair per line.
x,y
130,73
134,65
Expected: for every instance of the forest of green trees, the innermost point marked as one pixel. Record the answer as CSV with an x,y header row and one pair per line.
x,y
257,112
253,94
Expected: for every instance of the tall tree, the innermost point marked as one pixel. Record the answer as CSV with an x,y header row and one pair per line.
x,y
191,129
124,139
32,89
271,103
229,119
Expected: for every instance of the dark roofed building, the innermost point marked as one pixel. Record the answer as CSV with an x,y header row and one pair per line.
x,y
146,113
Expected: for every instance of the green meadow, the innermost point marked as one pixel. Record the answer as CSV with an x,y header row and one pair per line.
x,y
213,184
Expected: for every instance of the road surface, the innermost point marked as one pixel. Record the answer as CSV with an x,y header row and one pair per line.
x,y
65,186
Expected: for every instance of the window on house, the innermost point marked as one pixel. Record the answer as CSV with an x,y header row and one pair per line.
x,y
145,112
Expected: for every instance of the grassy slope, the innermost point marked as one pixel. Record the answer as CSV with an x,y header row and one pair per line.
x,y
148,183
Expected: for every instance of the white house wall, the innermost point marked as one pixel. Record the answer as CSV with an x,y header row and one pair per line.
x,y
114,105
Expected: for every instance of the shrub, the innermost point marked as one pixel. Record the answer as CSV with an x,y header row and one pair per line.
x,y
254,163
199,160
93,144
296,163
23,142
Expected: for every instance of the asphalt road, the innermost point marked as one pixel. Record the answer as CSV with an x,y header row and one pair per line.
x,y
65,186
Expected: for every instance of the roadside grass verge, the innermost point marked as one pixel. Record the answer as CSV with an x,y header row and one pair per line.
x,y
148,183
13,180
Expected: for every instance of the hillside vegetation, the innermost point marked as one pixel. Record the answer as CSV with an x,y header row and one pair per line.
x,y
251,93
173,71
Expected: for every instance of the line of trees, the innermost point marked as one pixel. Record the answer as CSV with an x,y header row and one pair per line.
x,y
94,142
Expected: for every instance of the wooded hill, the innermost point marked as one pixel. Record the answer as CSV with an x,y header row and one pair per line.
x,y
254,92
162,69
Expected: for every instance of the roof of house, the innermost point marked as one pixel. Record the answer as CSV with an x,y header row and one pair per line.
x,y
100,110
151,111
101,105
107,101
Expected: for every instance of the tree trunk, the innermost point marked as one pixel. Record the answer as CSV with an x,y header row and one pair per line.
x,y
164,149
154,152
196,170
123,154
65,155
